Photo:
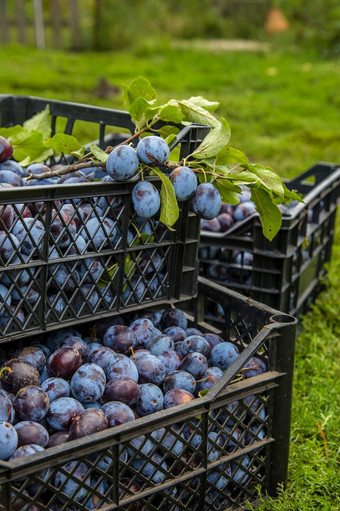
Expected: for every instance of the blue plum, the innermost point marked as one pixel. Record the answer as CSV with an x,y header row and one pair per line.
x,y
120,338
145,199
223,355
123,389
196,364
62,411
206,201
150,400
153,150
31,403
56,387
88,383
122,163
117,413
175,397
89,421
179,379
8,440
119,366
150,368
31,432
185,182
243,210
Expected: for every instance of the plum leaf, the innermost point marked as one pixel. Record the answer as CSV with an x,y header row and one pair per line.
x,y
139,88
169,206
269,213
99,153
40,122
62,143
29,147
216,139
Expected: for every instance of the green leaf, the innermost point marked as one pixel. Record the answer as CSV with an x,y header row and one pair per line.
x,y
10,132
228,155
141,112
40,122
170,138
79,154
216,139
210,106
244,177
62,143
195,113
290,195
171,113
268,177
228,191
169,206
29,147
99,153
168,130
140,87
269,213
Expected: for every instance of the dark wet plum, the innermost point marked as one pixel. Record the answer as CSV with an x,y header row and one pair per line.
x,y
16,374
176,397
78,343
125,390
64,362
31,403
62,411
31,432
120,338
117,413
88,422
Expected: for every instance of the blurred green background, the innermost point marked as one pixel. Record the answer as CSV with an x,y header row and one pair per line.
x,y
278,84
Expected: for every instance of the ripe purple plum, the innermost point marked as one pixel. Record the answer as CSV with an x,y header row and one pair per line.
x,y
88,383
122,163
62,411
16,373
31,432
153,150
185,182
31,403
120,338
117,413
176,397
64,362
150,400
6,149
206,201
123,389
145,199
89,421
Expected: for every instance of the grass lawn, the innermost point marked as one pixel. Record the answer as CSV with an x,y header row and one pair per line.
x,y
284,111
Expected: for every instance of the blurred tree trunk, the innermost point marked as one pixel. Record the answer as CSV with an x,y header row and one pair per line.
x,y
56,22
21,21
39,24
3,22
74,24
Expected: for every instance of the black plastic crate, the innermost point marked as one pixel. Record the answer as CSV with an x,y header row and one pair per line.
x,y
50,278
284,273
224,445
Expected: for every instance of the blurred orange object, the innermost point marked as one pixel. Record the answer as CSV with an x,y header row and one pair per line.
x,y
276,22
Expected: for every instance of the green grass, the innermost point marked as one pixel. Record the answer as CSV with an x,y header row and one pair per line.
x,y
284,111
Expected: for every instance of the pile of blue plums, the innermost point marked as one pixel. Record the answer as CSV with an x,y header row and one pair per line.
x,y
65,385
123,163
229,215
